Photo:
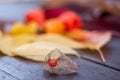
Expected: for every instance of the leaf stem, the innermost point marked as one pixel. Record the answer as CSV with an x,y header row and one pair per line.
x,y
101,55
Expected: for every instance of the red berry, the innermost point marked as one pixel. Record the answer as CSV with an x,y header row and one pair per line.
x,y
52,62
35,15
71,20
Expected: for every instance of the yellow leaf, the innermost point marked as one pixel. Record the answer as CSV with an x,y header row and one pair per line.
x,y
60,39
8,43
39,50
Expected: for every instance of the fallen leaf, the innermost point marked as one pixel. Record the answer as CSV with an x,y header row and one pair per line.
x,y
39,50
60,39
8,43
93,40
24,38
97,40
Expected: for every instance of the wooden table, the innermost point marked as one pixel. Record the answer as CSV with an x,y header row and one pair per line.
x,y
91,67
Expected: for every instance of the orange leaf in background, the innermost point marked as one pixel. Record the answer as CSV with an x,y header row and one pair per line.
x,y
93,40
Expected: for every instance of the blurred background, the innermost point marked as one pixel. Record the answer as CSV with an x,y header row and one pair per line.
x,y
96,14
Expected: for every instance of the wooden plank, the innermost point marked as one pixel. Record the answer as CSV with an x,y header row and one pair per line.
x,y
6,76
24,70
111,52
28,70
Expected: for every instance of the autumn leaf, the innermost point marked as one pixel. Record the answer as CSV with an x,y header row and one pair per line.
x,y
93,40
8,43
60,39
39,50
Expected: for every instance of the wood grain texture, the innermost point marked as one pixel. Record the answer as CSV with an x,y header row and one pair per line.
x,y
6,76
111,52
28,70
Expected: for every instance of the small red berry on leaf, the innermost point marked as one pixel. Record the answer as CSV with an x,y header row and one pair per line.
x,y
52,62
71,20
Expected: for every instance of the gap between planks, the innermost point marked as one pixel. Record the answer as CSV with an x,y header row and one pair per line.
x,y
99,63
